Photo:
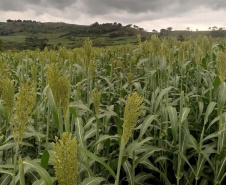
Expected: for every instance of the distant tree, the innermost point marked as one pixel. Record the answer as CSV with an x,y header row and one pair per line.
x,y
9,20
169,28
129,25
197,30
141,29
96,24
135,27
217,32
210,28
163,33
214,28
163,30
154,31
188,28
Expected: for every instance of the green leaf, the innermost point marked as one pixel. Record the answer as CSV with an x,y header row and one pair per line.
x,y
80,105
79,130
201,107
148,164
209,110
42,182
221,97
147,123
53,107
98,159
149,151
135,145
105,137
90,133
159,98
41,171
213,135
141,177
5,179
8,146
45,159
32,132
39,182
6,172
92,181
174,122
128,169
184,114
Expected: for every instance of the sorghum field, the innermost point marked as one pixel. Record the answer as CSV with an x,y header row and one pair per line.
x,y
152,113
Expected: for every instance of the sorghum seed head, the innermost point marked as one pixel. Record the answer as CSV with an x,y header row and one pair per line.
x,y
7,94
133,109
65,159
23,110
96,94
221,65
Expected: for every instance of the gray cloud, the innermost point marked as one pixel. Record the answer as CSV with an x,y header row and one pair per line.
x,y
22,5
99,7
167,7
124,11
131,6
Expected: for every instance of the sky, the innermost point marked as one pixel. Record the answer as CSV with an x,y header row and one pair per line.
x,y
147,14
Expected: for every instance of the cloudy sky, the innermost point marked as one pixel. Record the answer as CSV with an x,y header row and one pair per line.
x,y
148,14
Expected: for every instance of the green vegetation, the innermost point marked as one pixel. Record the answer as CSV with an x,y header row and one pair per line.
x,y
15,34
146,113
54,35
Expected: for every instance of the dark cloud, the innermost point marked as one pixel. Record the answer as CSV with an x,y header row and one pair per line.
x,y
124,11
131,6
98,7
22,5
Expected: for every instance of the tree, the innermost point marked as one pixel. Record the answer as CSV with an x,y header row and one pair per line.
x,y
135,27
164,32
188,28
169,28
214,28
96,24
129,25
154,31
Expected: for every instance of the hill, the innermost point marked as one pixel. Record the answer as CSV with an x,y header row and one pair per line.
x,y
19,35
23,35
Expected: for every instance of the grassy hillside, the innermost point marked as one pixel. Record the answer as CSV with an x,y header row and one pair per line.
x,y
23,35
32,35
